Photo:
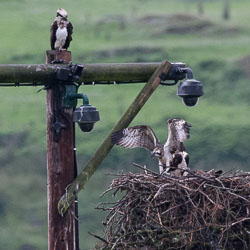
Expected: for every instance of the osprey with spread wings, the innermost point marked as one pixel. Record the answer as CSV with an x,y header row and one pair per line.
x,y
171,155
61,31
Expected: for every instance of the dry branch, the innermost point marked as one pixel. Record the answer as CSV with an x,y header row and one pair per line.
x,y
199,211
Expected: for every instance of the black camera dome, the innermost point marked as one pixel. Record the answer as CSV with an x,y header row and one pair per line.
x,y
86,116
86,127
190,101
190,90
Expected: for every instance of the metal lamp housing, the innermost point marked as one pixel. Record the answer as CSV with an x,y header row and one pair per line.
x,y
190,90
86,116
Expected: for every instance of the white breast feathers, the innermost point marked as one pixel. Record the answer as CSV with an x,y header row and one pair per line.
x,y
61,36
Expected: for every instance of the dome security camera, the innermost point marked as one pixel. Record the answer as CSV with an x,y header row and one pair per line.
x,y
86,116
190,90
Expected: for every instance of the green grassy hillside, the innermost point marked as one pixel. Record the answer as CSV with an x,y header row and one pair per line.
x,y
119,31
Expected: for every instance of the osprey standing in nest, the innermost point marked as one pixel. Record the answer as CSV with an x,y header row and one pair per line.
x,y
172,155
61,31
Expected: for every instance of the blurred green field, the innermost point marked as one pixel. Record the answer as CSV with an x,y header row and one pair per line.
x,y
119,31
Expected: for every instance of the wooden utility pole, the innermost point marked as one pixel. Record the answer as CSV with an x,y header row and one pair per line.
x,y
62,231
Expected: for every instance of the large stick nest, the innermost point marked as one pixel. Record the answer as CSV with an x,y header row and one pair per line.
x,y
198,211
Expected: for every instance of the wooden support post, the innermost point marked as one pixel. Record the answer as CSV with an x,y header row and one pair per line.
x,y
60,164
80,182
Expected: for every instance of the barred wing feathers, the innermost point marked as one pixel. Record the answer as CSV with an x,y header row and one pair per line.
x,y
69,37
53,29
140,136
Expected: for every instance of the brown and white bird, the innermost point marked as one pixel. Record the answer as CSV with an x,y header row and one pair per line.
x,y
171,155
61,31
178,132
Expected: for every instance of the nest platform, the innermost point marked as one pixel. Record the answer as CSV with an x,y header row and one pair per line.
x,y
198,211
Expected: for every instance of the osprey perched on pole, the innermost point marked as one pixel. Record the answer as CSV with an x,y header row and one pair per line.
x,y
61,31
171,155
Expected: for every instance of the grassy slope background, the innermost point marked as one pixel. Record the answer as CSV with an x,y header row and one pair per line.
x,y
119,31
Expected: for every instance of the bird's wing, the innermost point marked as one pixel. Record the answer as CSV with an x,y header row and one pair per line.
x,y
53,29
140,136
69,37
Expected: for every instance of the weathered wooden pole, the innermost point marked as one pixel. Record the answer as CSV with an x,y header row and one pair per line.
x,y
83,177
60,163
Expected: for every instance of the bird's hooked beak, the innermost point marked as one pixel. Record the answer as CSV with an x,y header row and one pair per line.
x,y
152,154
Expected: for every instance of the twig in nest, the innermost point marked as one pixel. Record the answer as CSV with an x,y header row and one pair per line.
x,y
98,237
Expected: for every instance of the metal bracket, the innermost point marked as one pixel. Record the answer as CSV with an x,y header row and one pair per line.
x,y
57,126
66,76
175,74
71,96
68,101
71,73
